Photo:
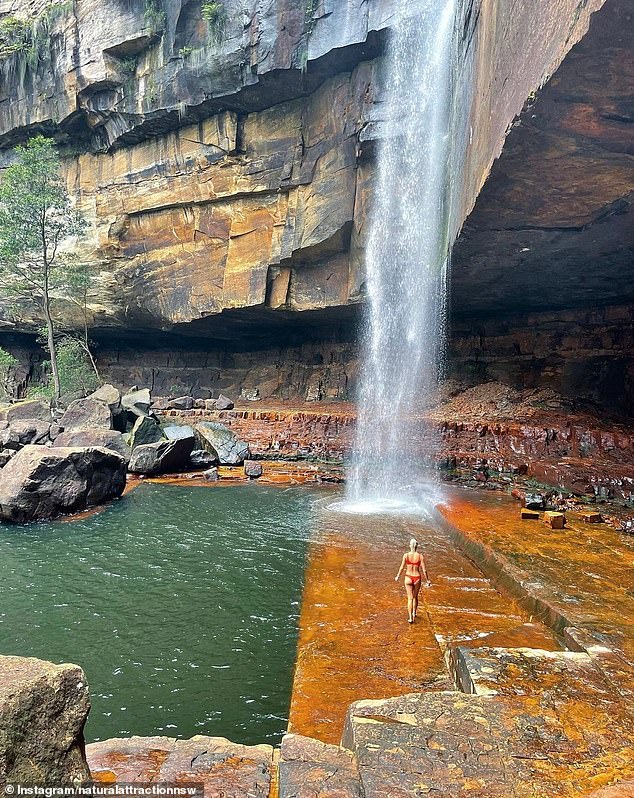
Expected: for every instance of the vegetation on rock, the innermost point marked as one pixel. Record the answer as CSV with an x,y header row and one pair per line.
x,y
215,14
7,363
15,36
154,16
36,216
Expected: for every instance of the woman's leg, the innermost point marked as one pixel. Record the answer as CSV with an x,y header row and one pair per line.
x,y
409,587
415,592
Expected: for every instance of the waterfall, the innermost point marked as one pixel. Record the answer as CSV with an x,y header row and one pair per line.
x,y
411,230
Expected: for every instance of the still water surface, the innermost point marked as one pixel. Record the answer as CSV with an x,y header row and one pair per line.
x,y
180,603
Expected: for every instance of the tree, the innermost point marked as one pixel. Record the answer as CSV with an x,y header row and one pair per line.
x,y
36,216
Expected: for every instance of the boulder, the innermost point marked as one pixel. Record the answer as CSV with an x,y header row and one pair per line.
x,y
252,469
145,430
41,483
221,442
181,403
161,457
137,403
5,456
199,458
86,413
43,709
104,438
224,403
26,410
177,432
20,433
109,395
211,475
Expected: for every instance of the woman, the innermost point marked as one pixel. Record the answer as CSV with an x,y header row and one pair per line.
x,y
415,569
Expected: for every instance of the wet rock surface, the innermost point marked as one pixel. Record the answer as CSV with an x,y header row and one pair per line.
x,y
354,639
41,483
226,770
43,708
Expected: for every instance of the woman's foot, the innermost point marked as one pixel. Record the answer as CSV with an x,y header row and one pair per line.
x,y
410,620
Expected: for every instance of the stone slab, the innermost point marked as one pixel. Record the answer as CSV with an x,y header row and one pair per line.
x,y
226,769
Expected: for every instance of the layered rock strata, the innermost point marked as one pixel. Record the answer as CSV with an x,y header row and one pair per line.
x,y
227,171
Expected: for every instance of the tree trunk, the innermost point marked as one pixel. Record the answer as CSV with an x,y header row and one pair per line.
x,y
87,345
57,389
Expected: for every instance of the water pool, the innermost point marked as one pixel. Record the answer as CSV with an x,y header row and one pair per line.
x,y
180,603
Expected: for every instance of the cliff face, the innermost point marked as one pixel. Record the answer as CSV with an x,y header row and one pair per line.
x,y
226,163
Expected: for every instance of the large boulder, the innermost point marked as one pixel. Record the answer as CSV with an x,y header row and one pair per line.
x,y
22,432
43,708
86,413
137,403
104,438
109,395
26,410
145,430
220,441
161,457
41,483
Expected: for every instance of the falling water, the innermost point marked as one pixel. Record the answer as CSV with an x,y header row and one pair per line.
x,y
411,228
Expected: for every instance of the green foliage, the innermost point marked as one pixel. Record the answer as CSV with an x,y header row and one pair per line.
x,y
215,14
29,41
15,36
310,9
128,65
39,392
76,374
7,363
185,51
36,216
154,16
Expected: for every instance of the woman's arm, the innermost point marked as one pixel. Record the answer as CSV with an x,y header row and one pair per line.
x,y
424,569
400,570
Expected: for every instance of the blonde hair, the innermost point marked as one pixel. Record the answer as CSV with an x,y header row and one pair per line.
x,y
413,544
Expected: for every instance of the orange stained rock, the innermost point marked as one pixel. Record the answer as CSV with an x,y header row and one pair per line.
x,y
355,642
584,573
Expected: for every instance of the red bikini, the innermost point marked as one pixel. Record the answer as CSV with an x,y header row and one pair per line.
x,y
415,579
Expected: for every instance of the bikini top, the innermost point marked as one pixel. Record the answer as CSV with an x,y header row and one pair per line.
x,y
409,562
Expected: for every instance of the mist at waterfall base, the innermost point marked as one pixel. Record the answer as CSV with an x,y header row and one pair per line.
x,y
407,264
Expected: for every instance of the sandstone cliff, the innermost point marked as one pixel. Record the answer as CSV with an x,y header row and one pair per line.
x,y
226,165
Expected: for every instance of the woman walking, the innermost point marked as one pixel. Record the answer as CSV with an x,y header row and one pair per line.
x,y
414,565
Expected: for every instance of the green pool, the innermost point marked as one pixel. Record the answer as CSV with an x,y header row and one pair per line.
x,y
180,603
